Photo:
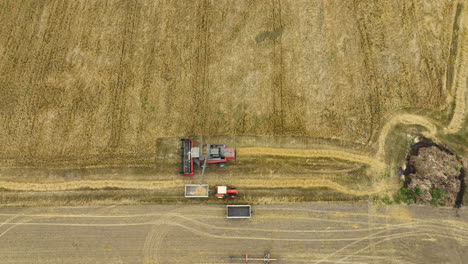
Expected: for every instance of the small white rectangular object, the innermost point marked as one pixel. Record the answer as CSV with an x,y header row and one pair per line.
x,y
195,152
222,190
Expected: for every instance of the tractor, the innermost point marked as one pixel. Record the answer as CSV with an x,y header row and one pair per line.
x,y
223,191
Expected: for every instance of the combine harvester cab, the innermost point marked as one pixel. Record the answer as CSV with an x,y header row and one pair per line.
x,y
213,153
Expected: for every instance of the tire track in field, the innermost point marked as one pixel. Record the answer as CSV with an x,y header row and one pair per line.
x,y
311,153
74,185
200,84
276,216
390,227
378,230
277,74
153,243
419,223
350,245
14,224
430,230
312,183
415,223
453,47
124,77
287,104
397,236
10,219
158,185
451,223
212,226
155,237
461,72
154,240
360,259
210,235
389,237
188,228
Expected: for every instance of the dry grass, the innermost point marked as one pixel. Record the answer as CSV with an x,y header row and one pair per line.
x,y
98,84
460,72
312,153
81,80
252,181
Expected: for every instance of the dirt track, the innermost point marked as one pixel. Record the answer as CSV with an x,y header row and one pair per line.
x,y
311,153
312,233
461,79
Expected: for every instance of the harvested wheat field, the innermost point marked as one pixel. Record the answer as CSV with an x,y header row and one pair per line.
x,y
321,99
294,234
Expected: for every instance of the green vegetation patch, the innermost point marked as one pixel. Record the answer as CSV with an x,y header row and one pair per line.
x,y
404,195
438,196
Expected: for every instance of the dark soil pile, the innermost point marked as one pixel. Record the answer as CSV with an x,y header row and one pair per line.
x,y
434,174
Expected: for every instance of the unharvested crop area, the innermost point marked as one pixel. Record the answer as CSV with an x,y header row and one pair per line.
x,y
316,95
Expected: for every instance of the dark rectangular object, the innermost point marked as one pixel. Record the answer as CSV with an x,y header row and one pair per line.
x,y
186,162
238,211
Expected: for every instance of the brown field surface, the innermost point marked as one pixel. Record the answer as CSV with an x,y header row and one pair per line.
x,y
320,98
293,233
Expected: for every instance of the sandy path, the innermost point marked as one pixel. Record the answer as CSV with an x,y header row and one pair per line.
x,y
407,119
312,153
158,185
461,80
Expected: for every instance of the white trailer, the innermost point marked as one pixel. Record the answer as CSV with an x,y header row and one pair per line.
x,y
196,190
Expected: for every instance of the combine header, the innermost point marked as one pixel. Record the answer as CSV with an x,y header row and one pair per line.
x,y
205,154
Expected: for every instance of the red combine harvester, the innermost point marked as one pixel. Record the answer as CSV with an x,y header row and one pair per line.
x,y
206,153
224,191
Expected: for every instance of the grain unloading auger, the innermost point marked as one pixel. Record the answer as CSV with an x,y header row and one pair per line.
x,y
203,155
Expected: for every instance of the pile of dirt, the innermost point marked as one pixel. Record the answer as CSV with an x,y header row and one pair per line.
x,y
434,174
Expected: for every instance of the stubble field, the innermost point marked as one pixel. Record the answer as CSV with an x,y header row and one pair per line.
x,y
318,97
